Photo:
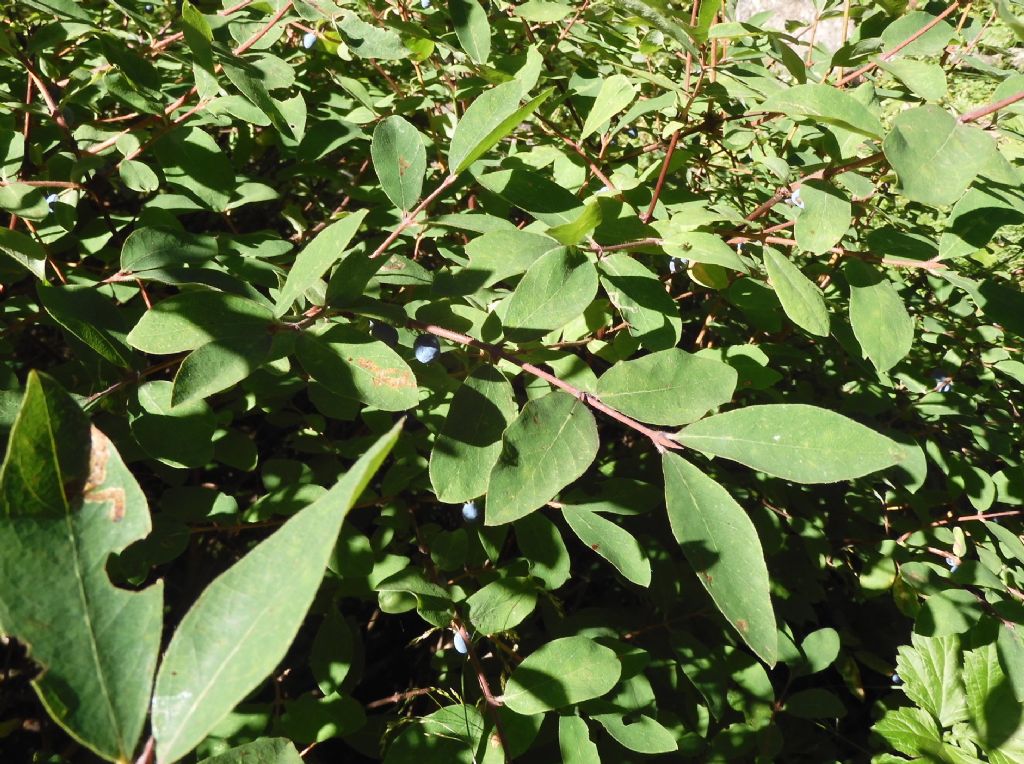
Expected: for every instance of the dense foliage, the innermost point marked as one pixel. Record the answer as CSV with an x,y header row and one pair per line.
x,y
479,381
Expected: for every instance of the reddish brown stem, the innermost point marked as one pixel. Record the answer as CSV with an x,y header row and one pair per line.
x,y
646,217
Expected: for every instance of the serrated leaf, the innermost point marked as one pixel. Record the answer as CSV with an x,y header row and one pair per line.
x,y
67,502
616,93
930,670
550,444
881,324
562,672
794,441
800,297
316,258
611,541
244,621
670,387
722,546
910,731
400,161
470,439
556,289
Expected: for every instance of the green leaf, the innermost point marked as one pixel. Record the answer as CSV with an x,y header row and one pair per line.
x,y
369,41
642,301
815,703
88,315
313,261
794,441
198,36
616,93
880,321
670,387
562,672
358,367
217,366
488,119
470,439
820,649
910,731
67,503
542,11
824,219
192,160
264,750
24,200
701,247
576,230
930,670
992,708
923,78
722,546
824,103
246,78
400,161
138,176
556,289
244,621
24,250
934,156
472,28
148,248
549,445
1010,19
663,19
542,546
501,605
611,541
498,255
179,436
574,742
800,297
190,319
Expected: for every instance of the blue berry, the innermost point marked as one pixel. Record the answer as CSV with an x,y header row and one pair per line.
x,y
149,8
460,644
424,3
470,512
896,679
385,333
677,264
795,199
51,199
631,132
427,348
952,564
308,40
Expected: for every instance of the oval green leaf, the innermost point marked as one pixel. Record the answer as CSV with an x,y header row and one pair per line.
x,y
556,289
243,623
400,161
794,441
800,297
721,544
561,673
879,318
670,387
550,444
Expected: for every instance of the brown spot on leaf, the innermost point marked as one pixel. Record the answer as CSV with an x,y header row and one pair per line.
x,y
742,625
595,547
385,377
99,455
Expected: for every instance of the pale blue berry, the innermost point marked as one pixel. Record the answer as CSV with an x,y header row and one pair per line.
x,y
460,644
51,199
631,132
424,3
952,564
427,348
677,264
470,512
896,679
795,199
308,40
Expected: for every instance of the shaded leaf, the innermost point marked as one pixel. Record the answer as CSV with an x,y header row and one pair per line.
x,y
562,672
